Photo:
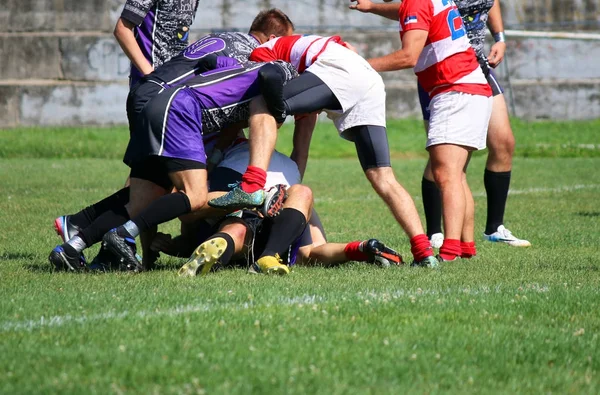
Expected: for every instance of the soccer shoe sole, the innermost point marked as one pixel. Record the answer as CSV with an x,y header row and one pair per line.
x,y
512,243
274,201
203,258
119,248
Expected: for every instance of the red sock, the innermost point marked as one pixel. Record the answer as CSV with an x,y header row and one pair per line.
x,y
468,249
420,247
450,249
354,252
253,179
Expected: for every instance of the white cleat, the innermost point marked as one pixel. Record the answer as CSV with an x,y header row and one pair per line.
x,y
437,239
503,235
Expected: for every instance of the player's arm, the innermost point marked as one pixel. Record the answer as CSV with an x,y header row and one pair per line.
x,y
413,42
497,29
133,15
303,130
263,54
389,11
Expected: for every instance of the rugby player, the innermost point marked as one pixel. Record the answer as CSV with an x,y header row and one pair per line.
x,y
500,138
151,32
167,151
435,44
286,237
334,78
267,24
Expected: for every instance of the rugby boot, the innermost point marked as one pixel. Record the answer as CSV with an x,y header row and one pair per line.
x,y
380,254
274,199
441,259
62,261
269,265
503,235
238,199
124,250
66,230
204,258
430,261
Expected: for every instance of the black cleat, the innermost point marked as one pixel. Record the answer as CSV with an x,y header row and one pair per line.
x,y
61,261
124,250
382,255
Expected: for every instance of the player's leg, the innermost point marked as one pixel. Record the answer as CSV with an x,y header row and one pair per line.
x,y
217,249
374,155
190,179
432,201
448,162
286,227
501,145
304,94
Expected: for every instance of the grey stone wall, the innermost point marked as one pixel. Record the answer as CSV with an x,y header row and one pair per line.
x,y
60,64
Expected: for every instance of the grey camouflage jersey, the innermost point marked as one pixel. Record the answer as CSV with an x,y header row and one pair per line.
x,y
475,15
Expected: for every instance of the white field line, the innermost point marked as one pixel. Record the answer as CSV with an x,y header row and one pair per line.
x,y
299,301
528,191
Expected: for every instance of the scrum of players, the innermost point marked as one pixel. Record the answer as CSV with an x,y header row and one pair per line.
x,y
240,202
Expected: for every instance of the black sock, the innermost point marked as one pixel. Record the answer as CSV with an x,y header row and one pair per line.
x,y
112,218
85,217
287,227
164,209
496,187
226,257
432,204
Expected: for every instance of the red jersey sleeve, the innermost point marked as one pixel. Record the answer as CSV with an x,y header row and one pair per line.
x,y
262,54
415,15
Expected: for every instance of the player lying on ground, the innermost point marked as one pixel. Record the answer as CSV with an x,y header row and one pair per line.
x,y
500,138
435,44
267,24
275,242
338,80
167,150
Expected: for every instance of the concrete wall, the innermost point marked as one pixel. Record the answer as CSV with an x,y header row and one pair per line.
x,y
60,65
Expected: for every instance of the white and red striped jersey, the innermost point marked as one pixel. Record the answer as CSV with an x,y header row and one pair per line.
x,y
300,51
447,62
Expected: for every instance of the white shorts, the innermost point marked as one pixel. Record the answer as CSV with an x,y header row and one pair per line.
x,y
356,85
282,170
459,118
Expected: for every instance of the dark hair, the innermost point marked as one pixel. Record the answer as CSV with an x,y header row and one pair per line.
x,y
273,21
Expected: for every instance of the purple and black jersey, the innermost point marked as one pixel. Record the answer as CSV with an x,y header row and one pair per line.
x,y
172,124
185,66
162,28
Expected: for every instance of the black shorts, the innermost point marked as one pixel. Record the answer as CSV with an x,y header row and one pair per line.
x,y
156,169
371,145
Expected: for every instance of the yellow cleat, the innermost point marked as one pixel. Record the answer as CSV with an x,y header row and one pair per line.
x,y
270,265
204,257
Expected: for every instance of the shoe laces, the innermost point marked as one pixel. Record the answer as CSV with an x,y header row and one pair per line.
x,y
234,184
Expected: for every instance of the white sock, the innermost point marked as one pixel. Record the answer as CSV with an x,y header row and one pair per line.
x,y
77,243
131,228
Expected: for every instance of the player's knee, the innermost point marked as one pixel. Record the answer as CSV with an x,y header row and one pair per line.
x,y
382,179
237,232
301,192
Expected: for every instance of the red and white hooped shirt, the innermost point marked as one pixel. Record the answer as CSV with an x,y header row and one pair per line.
x,y
447,62
300,51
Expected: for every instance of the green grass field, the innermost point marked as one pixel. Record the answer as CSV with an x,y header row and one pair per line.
x,y
508,321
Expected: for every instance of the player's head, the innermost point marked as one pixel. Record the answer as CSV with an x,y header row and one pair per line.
x,y
271,23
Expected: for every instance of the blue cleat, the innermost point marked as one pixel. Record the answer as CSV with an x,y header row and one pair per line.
x,y
238,199
66,230
61,261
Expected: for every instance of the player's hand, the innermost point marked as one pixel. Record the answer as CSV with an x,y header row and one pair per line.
x,y
162,242
496,54
361,5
